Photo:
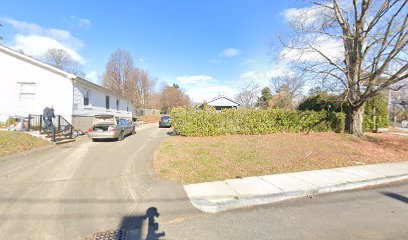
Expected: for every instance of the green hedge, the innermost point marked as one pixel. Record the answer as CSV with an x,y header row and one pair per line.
x,y
378,107
188,121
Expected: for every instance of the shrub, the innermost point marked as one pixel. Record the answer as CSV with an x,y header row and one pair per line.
x,y
378,107
322,101
188,121
10,121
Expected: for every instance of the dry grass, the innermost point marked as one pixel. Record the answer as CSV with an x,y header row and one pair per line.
x,y
14,142
150,118
192,160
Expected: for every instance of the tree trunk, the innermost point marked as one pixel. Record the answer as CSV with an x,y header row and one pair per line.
x,y
354,120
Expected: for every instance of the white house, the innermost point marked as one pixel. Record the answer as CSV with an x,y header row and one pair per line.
x,y
28,86
222,102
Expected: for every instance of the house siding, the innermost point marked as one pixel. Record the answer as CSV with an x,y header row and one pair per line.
x,y
97,102
82,115
50,89
28,86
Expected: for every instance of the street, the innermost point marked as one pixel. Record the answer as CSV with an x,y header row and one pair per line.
x,y
376,213
75,190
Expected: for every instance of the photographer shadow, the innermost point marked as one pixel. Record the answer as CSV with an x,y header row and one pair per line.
x,y
133,226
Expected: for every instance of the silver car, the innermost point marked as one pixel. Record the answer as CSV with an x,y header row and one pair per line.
x,y
110,127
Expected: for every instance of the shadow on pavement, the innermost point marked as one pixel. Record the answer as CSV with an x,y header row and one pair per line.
x,y
396,196
132,225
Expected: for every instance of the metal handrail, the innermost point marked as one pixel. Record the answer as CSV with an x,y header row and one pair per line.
x,y
59,124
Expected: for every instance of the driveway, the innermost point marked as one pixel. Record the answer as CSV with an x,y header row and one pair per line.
x,y
74,190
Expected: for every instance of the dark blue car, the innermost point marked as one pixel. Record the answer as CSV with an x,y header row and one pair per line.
x,y
165,122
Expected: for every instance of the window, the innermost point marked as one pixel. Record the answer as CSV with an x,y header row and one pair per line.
x,y
86,97
27,92
117,104
107,100
127,108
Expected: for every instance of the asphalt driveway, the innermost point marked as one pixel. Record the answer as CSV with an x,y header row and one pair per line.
x,y
74,190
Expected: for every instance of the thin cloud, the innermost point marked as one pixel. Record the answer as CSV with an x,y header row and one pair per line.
x,y
248,61
229,52
248,75
263,78
224,54
195,79
35,40
78,22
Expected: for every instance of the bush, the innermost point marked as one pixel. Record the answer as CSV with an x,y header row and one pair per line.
x,y
10,121
188,121
322,101
378,107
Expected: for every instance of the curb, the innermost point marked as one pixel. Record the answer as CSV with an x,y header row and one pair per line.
x,y
247,201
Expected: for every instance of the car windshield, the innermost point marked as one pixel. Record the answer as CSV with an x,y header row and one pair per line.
x,y
165,118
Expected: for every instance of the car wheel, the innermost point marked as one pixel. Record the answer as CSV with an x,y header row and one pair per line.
x,y
134,131
120,138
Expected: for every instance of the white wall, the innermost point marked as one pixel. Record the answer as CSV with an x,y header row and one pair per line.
x,y
50,89
222,102
97,99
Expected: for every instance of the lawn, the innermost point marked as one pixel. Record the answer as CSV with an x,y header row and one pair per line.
x,y
13,142
193,159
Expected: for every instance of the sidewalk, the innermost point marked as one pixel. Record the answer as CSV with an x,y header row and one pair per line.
x,y
219,196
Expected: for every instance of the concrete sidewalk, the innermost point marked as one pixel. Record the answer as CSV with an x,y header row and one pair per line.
x,y
236,193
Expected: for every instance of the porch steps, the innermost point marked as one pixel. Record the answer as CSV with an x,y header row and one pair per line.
x,y
59,137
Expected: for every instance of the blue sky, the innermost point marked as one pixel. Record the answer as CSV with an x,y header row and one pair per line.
x,y
208,47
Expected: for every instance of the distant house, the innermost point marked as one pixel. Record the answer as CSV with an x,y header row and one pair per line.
x,y
28,86
222,102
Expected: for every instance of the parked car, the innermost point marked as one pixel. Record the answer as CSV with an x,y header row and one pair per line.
x,y
110,127
165,122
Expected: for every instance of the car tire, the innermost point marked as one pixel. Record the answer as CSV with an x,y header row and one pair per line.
x,y
121,136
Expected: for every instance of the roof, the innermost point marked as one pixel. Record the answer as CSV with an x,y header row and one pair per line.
x,y
223,101
55,70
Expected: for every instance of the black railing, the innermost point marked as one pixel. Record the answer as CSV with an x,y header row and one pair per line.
x,y
58,126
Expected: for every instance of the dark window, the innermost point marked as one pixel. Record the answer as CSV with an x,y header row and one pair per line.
x,y
117,105
86,98
127,108
107,102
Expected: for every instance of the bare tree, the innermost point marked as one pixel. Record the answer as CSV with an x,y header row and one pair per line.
x,y
288,89
142,85
287,83
173,96
248,95
119,71
282,99
357,45
61,59
123,77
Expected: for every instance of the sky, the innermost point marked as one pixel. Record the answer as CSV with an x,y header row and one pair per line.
x,y
209,48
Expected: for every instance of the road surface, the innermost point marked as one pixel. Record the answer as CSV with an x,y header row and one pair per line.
x,y
79,189
73,190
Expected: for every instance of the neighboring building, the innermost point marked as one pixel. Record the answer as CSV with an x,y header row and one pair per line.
x,y
222,102
28,86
